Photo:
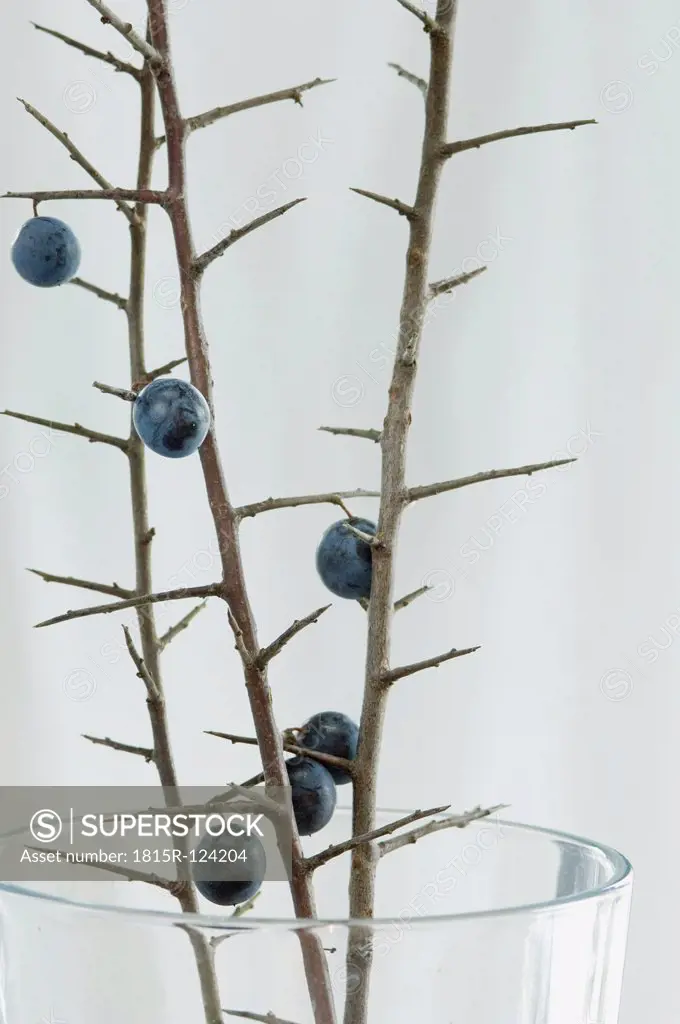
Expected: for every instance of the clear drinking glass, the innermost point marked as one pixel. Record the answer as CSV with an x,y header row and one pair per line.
x,y
496,923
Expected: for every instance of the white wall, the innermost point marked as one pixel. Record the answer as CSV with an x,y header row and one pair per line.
x,y
571,329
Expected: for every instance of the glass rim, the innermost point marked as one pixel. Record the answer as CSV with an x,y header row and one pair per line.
x,y
622,877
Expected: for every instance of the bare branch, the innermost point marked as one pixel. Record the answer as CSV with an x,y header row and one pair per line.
x,y
233,586
76,155
126,30
318,859
107,58
182,889
114,194
180,626
429,24
367,538
200,263
255,781
225,801
454,821
70,581
332,498
115,869
244,908
267,653
408,599
264,1018
393,674
142,534
394,204
429,490
419,83
239,911
246,657
162,370
218,113
101,293
71,428
449,283
124,393
142,671
293,748
482,140
145,752
369,435
213,590
394,447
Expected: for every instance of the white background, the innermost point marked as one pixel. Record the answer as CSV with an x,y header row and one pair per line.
x,y
572,329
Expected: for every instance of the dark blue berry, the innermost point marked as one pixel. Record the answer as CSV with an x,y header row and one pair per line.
x,y
331,732
46,253
344,561
172,417
232,869
313,794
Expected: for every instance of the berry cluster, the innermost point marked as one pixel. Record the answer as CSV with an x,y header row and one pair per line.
x,y
172,418
313,796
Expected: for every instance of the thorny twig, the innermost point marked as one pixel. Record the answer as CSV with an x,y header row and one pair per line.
x,y
293,748
233,587
451,821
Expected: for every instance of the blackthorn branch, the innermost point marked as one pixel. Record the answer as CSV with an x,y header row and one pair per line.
x,y
239,911
125,748
71,428
181,594
449,283
125,28
419,83
331,498
293,748
152,686
393,674
161,371
101,293
394,204
369,435
430,25
408,599
125,393
482,140
219,113
180,626
264,1018
76,155
429,490
199,264
115,869
267,653
148,664
367,838
71,581
234,589
107,58
452,821
367,538
114,195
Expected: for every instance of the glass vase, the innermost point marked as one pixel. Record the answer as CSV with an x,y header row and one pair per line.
x,y
494,923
